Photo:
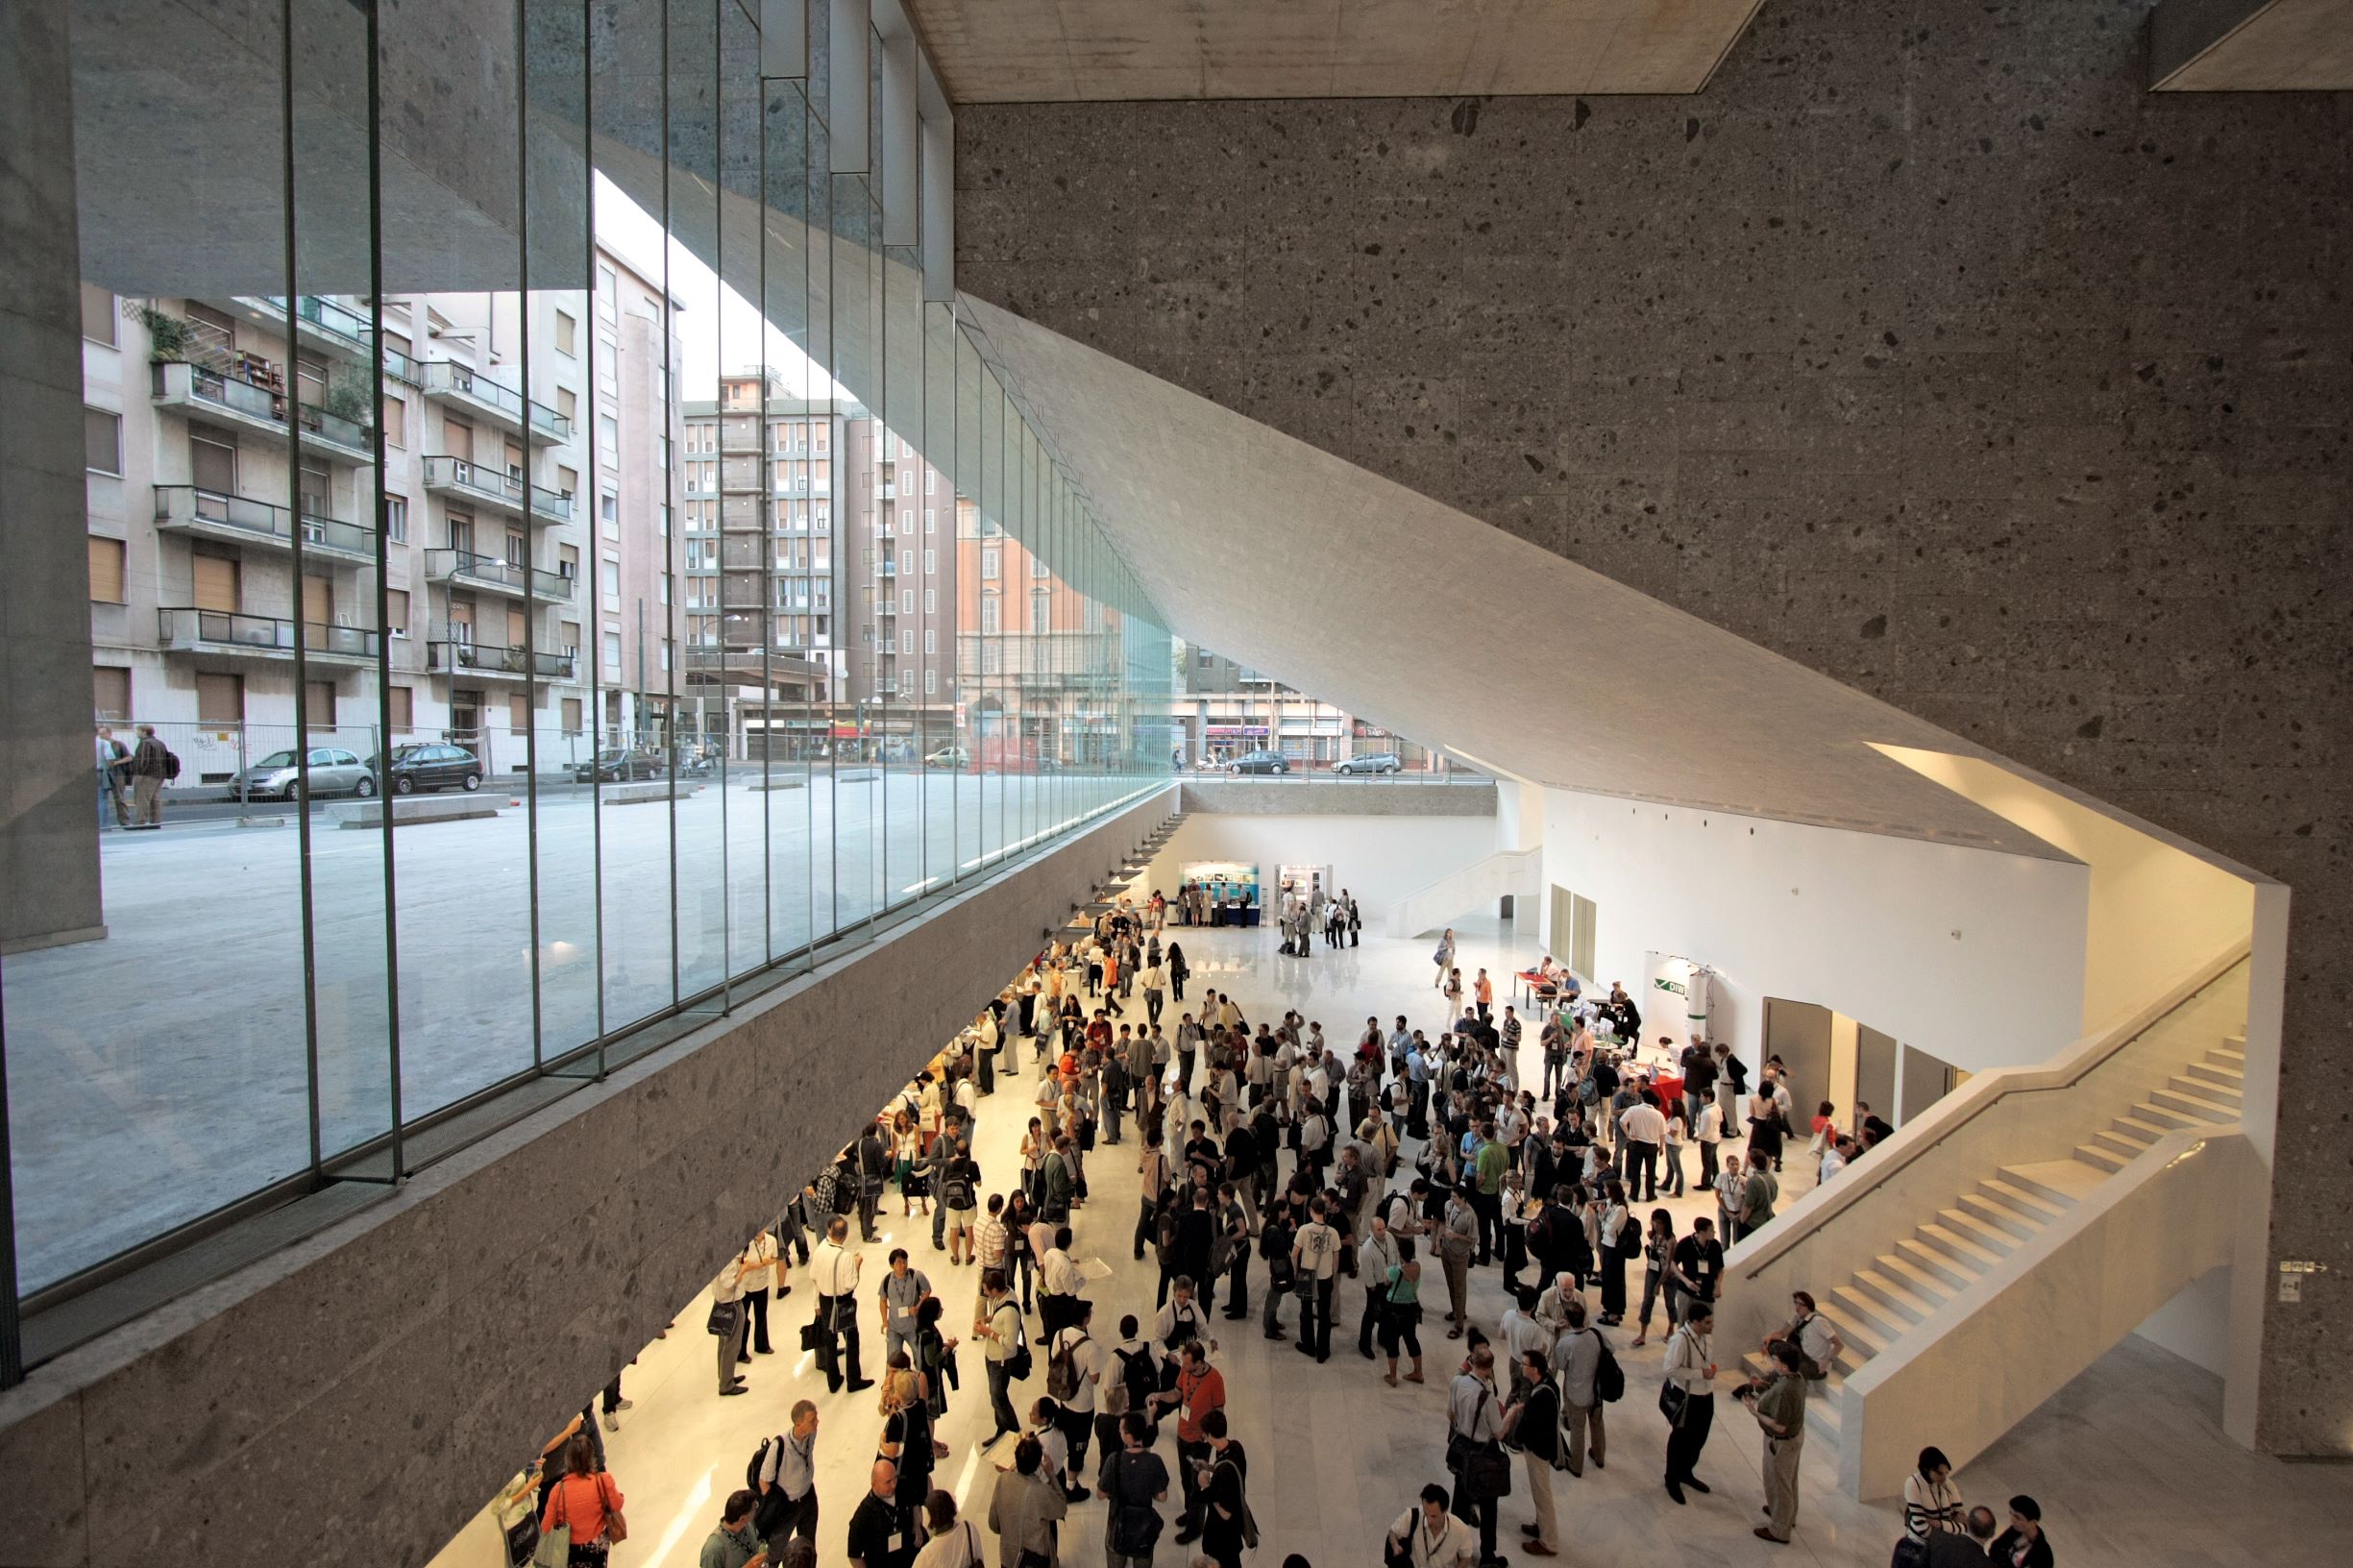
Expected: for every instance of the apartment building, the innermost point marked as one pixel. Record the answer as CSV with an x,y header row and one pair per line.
x,y
1039,662
762,578
902,673
196,522
1222,708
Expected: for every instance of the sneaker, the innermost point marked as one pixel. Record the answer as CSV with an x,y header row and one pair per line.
x,y
612,1422
624,1403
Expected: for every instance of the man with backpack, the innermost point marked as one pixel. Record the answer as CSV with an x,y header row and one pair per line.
x,y
1131,1381
874,1162
959,1199
783,1472
1075,1366
1134,1482
152,764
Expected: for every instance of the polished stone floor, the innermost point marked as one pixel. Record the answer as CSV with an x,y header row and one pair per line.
x,y
2129,1461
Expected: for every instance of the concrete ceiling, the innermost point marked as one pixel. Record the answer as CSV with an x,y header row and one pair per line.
x,y
1063,50
1441,627
2251,45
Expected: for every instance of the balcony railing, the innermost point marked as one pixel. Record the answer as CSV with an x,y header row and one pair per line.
x,y
186,628
187,508
447,378
450,657
500,489
465,566
728,442
178,383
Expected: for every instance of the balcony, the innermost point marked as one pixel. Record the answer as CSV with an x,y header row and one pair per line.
x,y
494,662
208,514
731,442
194,389
319,322
886,606
231,634
447,382
474,483
464,569
746,667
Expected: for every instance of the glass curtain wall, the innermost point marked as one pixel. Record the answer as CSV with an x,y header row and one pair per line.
x,y
550,567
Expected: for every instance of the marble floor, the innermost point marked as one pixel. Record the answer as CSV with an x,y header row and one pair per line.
x,y
2129,1461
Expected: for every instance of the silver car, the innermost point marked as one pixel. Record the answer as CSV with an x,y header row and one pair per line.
x,y
1370,762
275,778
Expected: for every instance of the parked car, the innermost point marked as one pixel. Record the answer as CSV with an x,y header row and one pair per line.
x,y
617,764
948,756
428,765
275,778
1259,762
1371,762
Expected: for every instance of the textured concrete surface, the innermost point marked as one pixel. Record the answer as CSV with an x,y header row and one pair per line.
x,y
2251,45
1339,798
1944,358
1058,51
377,1381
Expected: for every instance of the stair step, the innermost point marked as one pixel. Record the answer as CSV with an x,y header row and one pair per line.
x,y
1994,1212
1883,1320
2139,1130
2228,1093
2117,1141
2196,1105
2235,1042
2042,1189
1821,1415
2028,1201
1929,1284
2170,1119
1946,1268
1994,1239
1863,1340
2100,1159
1895,1294
1962,1248
2221,1074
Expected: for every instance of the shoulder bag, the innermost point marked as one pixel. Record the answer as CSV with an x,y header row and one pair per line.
x,y
616,1527
555,1550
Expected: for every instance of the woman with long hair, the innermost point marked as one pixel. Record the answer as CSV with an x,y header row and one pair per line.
x,y
588,1503
1658,1257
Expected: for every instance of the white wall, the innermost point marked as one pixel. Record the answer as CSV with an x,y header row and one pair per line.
x,y
1381,860
1859,922
2156,911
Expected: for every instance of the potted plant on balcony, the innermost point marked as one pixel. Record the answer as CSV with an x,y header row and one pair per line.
x,y
350,394
169,337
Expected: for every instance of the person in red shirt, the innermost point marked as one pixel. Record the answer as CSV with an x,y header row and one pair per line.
x,y
588,1501
1200,1388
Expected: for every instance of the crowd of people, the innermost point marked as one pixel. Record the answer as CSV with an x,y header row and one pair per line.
x,y
1301,1181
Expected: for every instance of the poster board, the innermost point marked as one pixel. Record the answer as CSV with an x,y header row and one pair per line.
x,y
1225,879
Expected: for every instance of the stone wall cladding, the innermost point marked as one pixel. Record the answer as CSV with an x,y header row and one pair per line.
x,y
1369,797
1925,347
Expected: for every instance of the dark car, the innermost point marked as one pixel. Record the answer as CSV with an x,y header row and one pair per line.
x,y
617,765
1371,762
428,765
1259,762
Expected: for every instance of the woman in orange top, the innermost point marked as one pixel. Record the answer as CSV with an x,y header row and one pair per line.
x,y
587,1499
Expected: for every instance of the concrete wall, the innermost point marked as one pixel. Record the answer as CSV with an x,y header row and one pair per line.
x,y
1934,351
1370,797
377,1381
49,811
1854,922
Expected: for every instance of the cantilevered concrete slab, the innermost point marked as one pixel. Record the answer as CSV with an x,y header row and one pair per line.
x,y
1440,626
2251,46
1061,51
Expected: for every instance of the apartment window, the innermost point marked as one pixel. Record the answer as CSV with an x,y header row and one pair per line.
x,y
667,646
608,586
110,684
612,654
931,563
396,611
906,642
989,616
567,402
931,683
906,600
568,562
572,715
212,461
571,638
519,712
609,364
396,421
906,563
220,700
567,480
608,288
403,704
930,602
567,336
931,488
663,582
608,439
98,316
1041,610
931,520
608,513
319,704
395,519
102,441
1037,567
661,519
931,641
906,521
106,570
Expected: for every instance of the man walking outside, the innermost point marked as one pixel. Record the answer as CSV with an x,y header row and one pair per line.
x,y
150,765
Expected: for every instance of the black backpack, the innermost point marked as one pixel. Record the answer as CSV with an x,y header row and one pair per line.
x,y
1609,1377
171,763
1140,1379
1135,1526
956,1187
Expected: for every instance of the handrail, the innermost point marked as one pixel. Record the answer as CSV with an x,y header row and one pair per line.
x,y
1949,1115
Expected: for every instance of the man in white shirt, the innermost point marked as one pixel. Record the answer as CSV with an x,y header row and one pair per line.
x,y
1059,1281
1087,1357
834,1267
1709,1131
1376,1255
1732,1184
1432,1536
787,1483
1644,1129
1833,1158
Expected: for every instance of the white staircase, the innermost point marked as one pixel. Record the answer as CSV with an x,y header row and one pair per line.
x,y
1514,874
1939,1256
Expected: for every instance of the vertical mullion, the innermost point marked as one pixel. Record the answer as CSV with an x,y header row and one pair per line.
x,y
302,653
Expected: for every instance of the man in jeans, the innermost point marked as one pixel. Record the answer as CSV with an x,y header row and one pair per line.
x,y
998,1325
1576,1355
1315,1252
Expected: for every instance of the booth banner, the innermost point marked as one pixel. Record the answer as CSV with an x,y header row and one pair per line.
x,y
1225,879
1676,996
1304,881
